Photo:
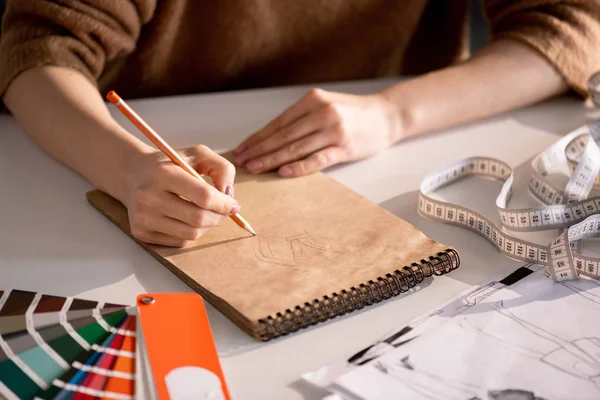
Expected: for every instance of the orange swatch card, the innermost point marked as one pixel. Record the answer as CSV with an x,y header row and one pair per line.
x,y
177,357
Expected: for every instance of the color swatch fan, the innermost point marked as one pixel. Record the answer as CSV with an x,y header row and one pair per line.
x,y
54,347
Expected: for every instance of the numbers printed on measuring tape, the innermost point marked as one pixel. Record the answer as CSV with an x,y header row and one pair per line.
x,y
520,249
510,246
543,256
567,208
592,266
532,253
439,211
471,220
462,217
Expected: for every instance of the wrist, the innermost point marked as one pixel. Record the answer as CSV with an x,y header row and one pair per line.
x,y
127,154
401,114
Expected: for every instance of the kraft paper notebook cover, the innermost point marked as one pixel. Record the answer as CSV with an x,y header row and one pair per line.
x,y
322,250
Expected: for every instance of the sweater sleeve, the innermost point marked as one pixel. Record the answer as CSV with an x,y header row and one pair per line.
x,y
83,35
565,32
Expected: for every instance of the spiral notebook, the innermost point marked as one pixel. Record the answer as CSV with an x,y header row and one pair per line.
x,y
321,250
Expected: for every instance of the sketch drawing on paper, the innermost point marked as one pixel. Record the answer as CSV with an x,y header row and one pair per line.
x,y
579,358
301,251
424,383
584,293
445,388
512,394
531,342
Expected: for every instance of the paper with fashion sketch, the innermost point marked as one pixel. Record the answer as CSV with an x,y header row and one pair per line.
x,y
523,337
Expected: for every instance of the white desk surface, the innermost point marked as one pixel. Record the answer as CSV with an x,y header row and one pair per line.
x,y
52,240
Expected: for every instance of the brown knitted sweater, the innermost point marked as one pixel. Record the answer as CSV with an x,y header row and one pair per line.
x,y
144,48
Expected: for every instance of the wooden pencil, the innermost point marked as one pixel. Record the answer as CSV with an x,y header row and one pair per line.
x,y
165,148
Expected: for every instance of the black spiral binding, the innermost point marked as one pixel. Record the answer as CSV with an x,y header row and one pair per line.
x,y
348,300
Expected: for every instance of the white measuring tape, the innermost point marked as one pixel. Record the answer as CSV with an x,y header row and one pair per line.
x,y
575,157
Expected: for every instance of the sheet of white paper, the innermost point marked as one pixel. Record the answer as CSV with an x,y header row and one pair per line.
x,y
535,339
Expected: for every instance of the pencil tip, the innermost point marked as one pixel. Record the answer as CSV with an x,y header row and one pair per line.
x,y
249,228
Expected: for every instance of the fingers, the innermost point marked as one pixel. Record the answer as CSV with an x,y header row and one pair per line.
x,y
145,227
293,151
167,219
169,206
171,215
319,119
209,163
315,162
199,192
175,207
320,127
309,101
325,129
161,239
175,228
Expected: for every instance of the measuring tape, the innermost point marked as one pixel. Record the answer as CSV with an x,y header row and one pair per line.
x,y
576,156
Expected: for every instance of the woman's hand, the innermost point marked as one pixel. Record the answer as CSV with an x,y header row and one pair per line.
x,y
156,190
322,129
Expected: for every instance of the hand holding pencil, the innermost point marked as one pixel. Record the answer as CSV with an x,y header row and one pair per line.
x,y
168,202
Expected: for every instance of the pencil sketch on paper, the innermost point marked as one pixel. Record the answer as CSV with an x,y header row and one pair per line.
x,y
444,388
589,295
301,251
533,340
441,389
578,357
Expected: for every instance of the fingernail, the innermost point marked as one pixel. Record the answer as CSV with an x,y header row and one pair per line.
x,y
254,166
229,190
285,171
236,209
241,159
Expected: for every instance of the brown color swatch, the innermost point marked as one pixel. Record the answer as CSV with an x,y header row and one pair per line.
x,y
80,304
111,305
17,303
50,304
321,250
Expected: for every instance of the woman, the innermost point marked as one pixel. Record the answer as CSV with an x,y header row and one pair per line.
x,y
58,59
